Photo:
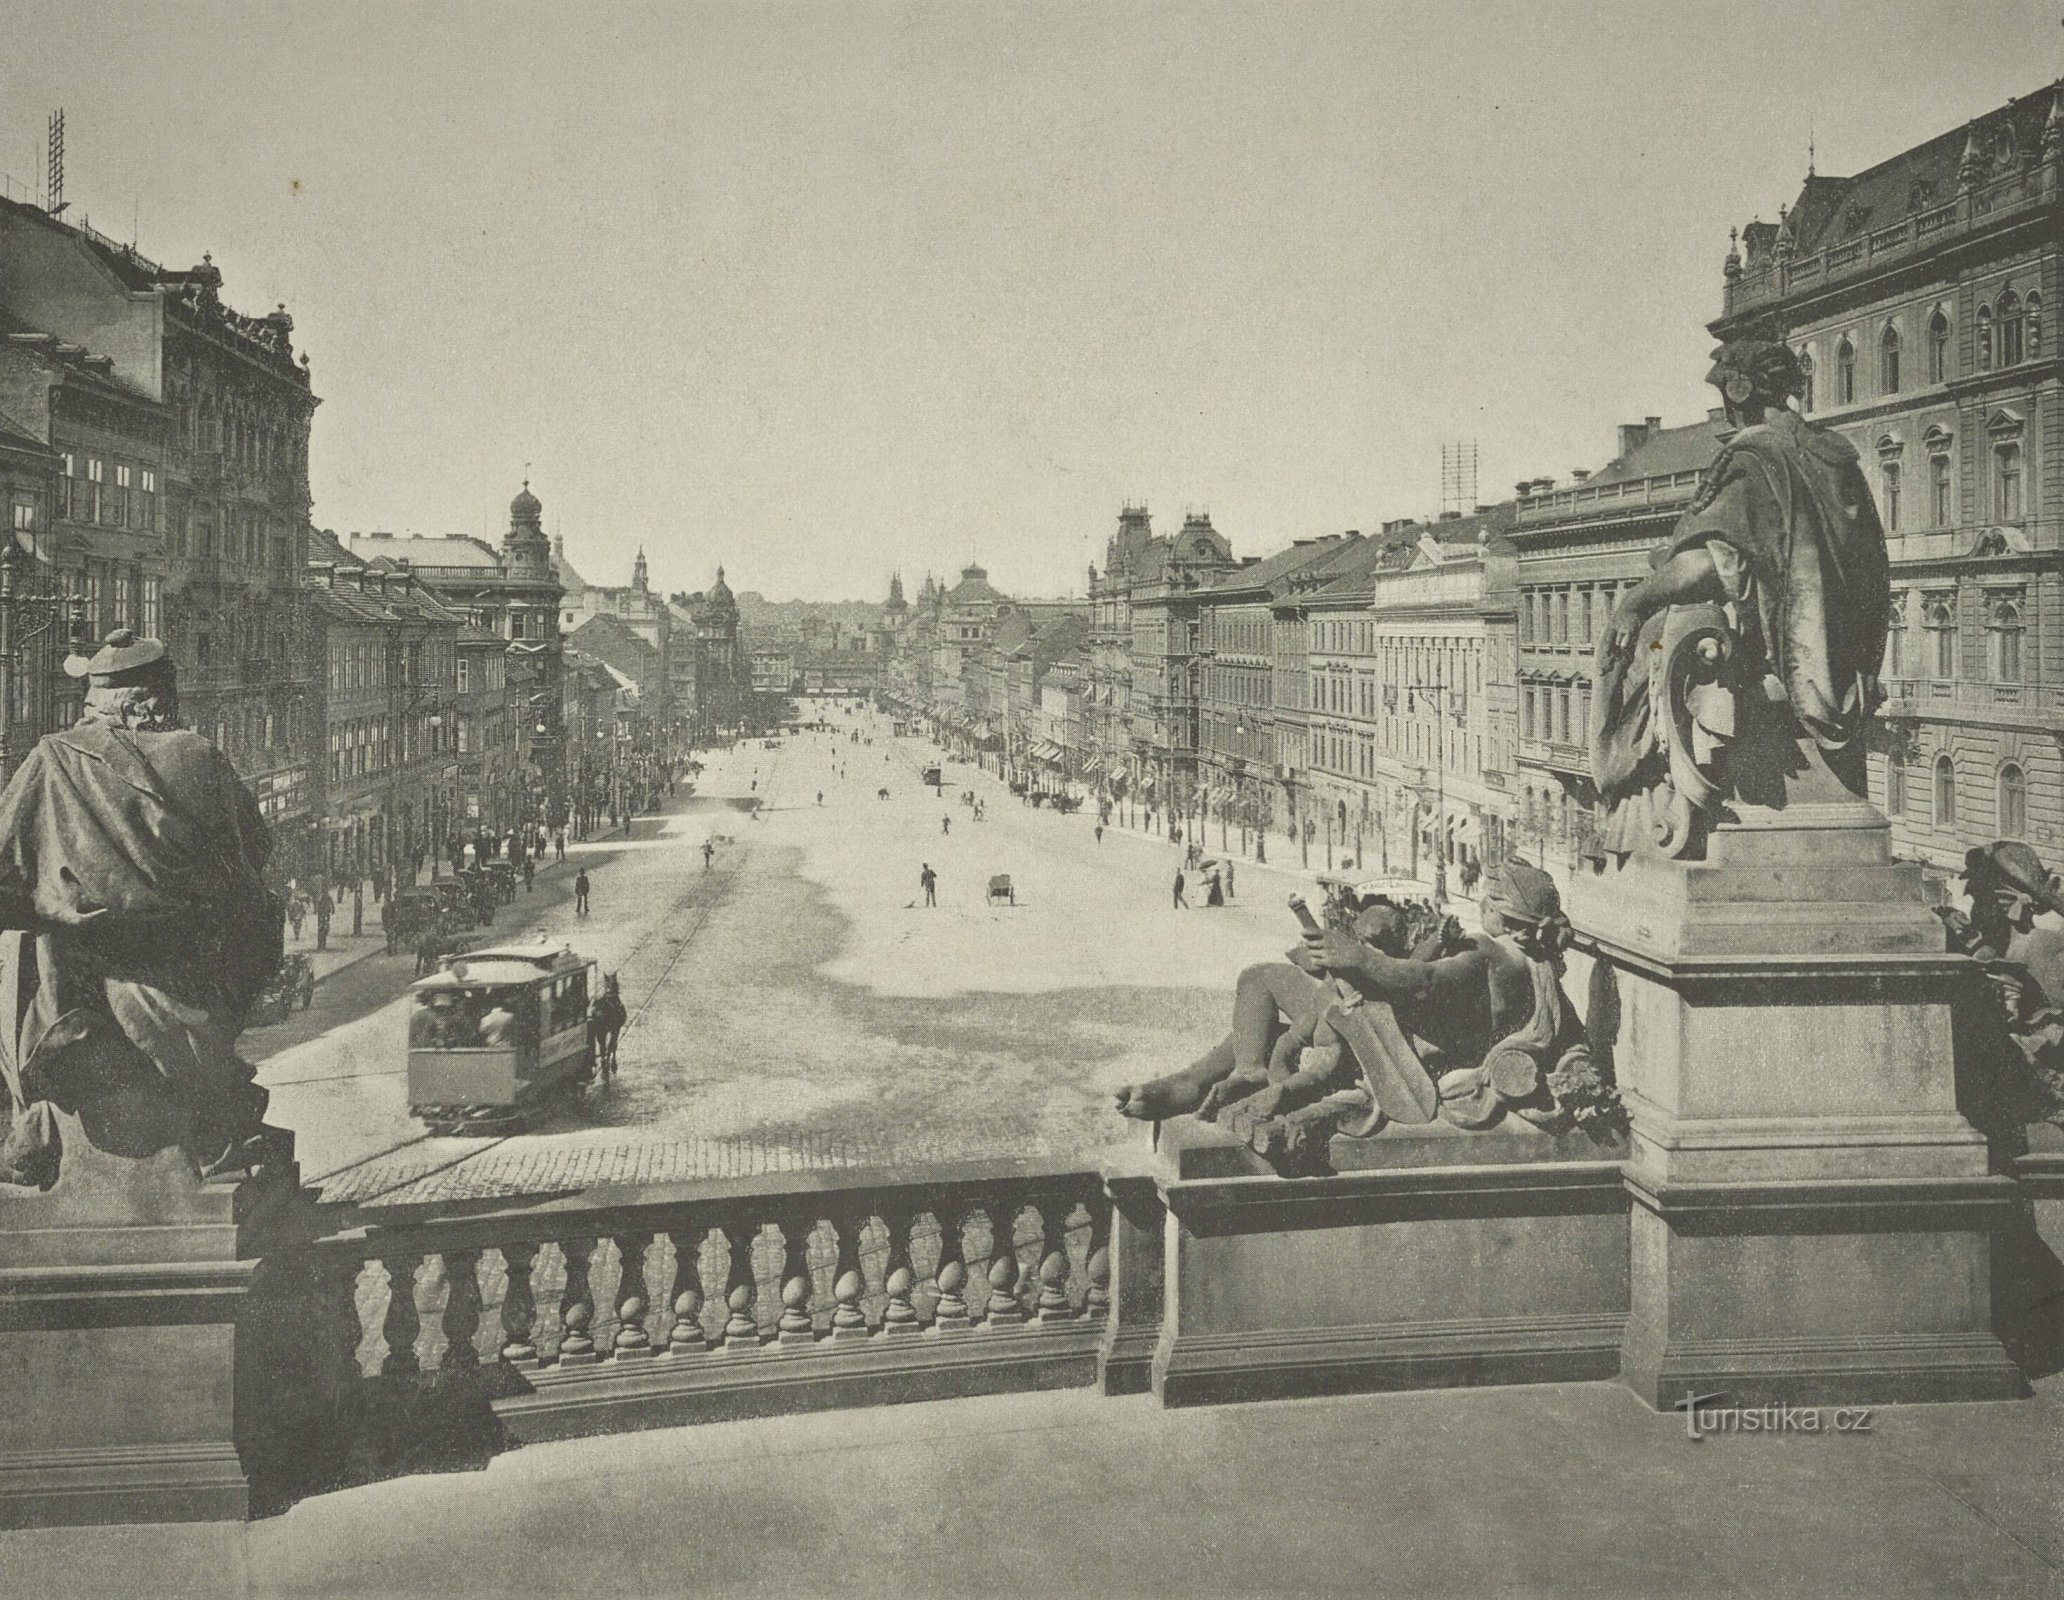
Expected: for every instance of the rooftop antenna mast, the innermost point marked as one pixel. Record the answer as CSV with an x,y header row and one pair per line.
x,y
53,193
1458,477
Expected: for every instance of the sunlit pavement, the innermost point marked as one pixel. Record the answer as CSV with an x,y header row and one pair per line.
x,y
798,1006
1557,1489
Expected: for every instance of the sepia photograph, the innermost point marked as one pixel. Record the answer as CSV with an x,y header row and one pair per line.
x,y
1107,798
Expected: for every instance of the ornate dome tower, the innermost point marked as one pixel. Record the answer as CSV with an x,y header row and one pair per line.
x,y
528,551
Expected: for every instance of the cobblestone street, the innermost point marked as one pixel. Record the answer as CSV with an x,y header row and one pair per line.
x,y
797,1007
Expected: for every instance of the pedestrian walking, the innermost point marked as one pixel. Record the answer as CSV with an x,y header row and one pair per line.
x,y
559,843
820,797
580,893
529,872
297,912
709,849
1100,833
1229,880
1180,903
323,911
930,880
945,824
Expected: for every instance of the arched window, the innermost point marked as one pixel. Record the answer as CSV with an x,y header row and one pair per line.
x,y
2013,802
1938,348
1941,620
1985,338
2006,487
1945,792
1888,360
2009,315
1845,373
1895,785
1805,379
2032,322
1942,489
1889,471
2006,642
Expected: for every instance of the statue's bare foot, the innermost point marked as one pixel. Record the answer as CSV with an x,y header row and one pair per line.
x,y
1225,1092
1176,1095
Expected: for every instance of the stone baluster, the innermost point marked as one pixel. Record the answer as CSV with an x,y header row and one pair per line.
x,y
741,1293
519,1308
900,1315
1099,1308
461,1309
848,1320
952,1314
1054,1305
1004,1310
577,1306
794,1331
687,1338
347,1332
402,1324
632,1341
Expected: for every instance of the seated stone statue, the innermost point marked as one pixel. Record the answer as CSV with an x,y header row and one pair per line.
x,y
1482,1030
2011,1053
131,862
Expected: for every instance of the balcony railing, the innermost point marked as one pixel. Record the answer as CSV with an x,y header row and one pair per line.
x,y
2017,191
707,1302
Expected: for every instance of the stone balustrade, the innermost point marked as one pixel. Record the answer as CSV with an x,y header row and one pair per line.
x,y
712,1303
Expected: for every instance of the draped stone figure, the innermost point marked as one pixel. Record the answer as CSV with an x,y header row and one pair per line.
x,y
1742,671
131,857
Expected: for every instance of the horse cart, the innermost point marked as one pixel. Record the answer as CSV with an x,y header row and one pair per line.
x,y
498,1037
1002,890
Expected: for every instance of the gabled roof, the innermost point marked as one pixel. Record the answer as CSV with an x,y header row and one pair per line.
x,y
1271,571
422,552
1666,451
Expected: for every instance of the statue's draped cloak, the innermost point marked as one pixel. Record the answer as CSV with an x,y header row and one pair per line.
x,y
1788,520
136,860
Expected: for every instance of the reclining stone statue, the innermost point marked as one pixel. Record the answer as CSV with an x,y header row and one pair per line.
x,y
131,857
1743,668
1353,1033
2011,1054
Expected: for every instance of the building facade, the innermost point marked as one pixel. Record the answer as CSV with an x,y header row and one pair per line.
x,y
1915,294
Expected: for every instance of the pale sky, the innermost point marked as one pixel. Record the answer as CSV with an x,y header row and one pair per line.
x,y
821,290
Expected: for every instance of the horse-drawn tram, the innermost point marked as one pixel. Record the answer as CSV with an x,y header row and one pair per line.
x,y
498,1036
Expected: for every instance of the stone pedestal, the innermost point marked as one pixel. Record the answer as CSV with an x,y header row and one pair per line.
x,y
125,1311
1431,1258
1812,1215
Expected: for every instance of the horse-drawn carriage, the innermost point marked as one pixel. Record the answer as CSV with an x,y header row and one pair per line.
x,y
498,1036
1065,804
504,876
293,984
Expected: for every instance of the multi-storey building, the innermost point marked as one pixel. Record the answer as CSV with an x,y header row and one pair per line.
x,y
512,594
712,667
1241,764
1579,548
1438,626
1131,558
385,651
232,504
1165,608
86,511
1915,295
483,734
636,607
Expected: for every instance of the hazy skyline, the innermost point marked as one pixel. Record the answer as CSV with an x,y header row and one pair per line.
x,y
818,291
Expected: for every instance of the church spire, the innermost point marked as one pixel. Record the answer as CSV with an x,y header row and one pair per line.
x,y
638,571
